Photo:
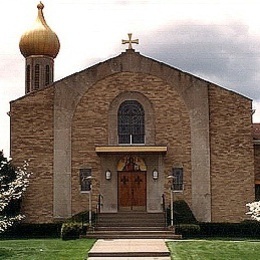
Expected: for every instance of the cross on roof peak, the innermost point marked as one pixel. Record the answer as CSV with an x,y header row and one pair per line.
x,y
130,41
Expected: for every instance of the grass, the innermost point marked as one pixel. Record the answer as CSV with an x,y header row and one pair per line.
x,y
214,249
45,249
57,249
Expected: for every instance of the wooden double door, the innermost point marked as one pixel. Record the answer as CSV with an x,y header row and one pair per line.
x,y
132,191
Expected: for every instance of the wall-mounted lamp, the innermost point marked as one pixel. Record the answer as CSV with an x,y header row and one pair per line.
x,y
155,174
108,175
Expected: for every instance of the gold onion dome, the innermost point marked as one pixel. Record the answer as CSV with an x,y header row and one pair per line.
x,y
40,40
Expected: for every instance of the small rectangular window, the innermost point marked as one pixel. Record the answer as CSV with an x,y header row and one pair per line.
x,y
177,179
85,180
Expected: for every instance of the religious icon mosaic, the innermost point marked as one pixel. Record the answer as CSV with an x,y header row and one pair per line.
x,y
131,163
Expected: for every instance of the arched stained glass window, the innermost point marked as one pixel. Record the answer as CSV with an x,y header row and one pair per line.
x,y
131,123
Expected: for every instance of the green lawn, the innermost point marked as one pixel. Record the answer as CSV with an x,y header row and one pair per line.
x,y
45,249
49,249
215,249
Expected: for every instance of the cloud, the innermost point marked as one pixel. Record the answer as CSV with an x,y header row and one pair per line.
x,y
224,54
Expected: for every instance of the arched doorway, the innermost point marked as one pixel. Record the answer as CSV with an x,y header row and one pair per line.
x,y
131,184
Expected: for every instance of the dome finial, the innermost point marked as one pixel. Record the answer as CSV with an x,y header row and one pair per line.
x,y
40,5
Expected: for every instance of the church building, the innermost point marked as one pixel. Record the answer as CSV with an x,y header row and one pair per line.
x,y
133,130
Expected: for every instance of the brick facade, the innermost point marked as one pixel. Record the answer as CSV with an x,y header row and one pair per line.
x,y
32,139
232,160
90,128
257,162
207,130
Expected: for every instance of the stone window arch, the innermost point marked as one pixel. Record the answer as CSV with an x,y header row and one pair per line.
x,y
131,123
148,117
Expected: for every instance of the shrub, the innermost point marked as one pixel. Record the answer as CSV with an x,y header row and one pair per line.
x,y
72,230
75,226
182,213
187,230
81,217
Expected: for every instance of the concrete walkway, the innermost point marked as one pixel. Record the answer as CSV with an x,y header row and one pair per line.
x,y
129,249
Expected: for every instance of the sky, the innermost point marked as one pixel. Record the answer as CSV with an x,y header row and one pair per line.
x,y
217,40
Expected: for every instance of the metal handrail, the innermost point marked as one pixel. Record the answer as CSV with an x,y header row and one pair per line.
x,y
100,204
164,209
163,202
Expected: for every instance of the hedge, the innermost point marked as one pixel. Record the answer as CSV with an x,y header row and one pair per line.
x,y
25,230
249,228
187,230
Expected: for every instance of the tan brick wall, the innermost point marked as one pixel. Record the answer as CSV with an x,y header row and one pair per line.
x,y
230,140
90,124
232,171
32,138
257,161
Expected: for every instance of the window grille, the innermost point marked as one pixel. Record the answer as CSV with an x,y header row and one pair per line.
x,y
85,179
177,179
131,128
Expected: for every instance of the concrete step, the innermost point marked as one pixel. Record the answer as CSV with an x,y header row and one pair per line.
x,y
132,235
105,219
129,249
131,225
131,220
130,254
131,228
136,214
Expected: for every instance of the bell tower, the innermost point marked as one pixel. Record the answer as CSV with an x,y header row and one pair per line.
x,y
40,46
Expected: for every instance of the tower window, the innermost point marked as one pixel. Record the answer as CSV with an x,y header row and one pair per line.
x,y
28,75
47,75
131,123
37,76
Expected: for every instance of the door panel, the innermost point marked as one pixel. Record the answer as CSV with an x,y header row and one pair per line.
x,y
132,191
125,189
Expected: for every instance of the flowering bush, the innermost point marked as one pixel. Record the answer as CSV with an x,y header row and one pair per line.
x,y
254,210
13,183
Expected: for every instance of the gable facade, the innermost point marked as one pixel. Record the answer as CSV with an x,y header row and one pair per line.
x,y
189,124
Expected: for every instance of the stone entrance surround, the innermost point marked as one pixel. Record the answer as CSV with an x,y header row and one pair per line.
x,y
195,96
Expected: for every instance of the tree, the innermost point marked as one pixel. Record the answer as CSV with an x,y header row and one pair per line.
x,y
254,210
13,183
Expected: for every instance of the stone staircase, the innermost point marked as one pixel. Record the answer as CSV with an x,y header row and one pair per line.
x,y
131,225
